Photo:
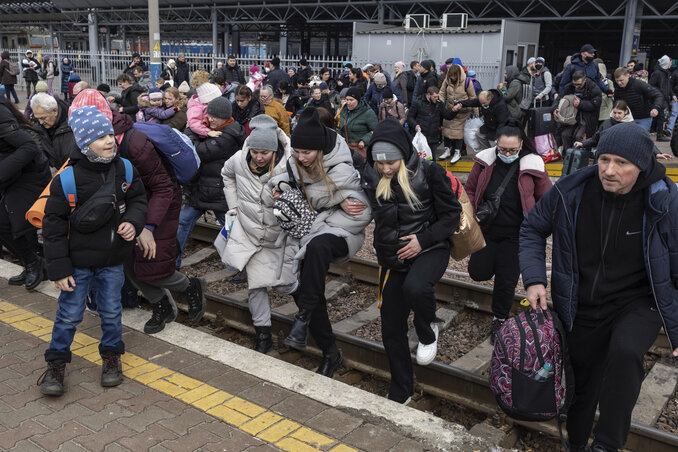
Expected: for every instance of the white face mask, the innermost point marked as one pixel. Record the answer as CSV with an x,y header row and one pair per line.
x,y
509,158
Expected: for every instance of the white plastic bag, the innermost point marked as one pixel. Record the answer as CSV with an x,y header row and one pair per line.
x,y
471,129
421,145
222,239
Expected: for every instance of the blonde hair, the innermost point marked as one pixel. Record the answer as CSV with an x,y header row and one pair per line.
x,y
315,170
256,169
385,192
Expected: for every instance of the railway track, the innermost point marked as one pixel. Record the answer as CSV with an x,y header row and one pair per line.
x,y
463,384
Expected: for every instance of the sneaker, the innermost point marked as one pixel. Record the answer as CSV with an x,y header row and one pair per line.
x,y
162,314
457,155
196,299
52,380
445,154
494,329
111,371
426,353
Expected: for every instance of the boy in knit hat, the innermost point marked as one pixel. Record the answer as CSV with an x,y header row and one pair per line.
x,y
89,229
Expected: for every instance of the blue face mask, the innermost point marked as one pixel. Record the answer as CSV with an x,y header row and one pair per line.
x,y
508,159
486,107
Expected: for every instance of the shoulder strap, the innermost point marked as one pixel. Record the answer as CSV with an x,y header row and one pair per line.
x,y
125,142
129,171
504,183
68,186
292,181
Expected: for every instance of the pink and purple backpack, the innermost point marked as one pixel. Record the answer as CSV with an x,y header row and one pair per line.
x,y
520,378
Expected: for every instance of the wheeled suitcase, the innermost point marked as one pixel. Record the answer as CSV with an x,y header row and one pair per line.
x,y
574,159
540,120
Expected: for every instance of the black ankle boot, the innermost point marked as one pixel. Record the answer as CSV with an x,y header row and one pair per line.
x,y
299,333
163,313
34,274
18,280
330,364
264,339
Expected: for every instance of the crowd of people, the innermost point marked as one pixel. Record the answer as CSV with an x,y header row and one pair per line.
x,y
116,214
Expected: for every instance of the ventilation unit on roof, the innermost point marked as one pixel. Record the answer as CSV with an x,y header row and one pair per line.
x,y
417,21
456,21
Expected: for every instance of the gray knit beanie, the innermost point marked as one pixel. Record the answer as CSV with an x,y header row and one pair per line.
x,y
629,141
220,108
264,134
385,151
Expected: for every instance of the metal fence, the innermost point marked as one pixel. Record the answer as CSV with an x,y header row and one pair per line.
x,y
104,67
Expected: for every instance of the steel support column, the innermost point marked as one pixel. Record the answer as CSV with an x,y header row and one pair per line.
x,y
381,11
227,38
215,36
154,38
93,45
633,11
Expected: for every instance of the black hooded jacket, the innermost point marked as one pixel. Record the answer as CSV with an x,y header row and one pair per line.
x,y
433,221
609,237
429,117
494,116
65,246
206,190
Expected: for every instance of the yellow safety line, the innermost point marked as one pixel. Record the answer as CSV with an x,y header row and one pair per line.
x,y
246,416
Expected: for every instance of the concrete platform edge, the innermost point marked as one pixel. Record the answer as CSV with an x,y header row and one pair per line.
x,y
415,423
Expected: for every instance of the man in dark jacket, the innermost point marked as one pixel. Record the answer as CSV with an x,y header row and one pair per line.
x,y
276,76
494,112
426,116
583,61
206,190
56,137
81,250
661,80
24,173
183,72
136,62
305,72
587,100
611,283
644,101
30,67
231,71
427,73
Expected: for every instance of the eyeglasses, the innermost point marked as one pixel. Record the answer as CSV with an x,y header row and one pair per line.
x,y
505,151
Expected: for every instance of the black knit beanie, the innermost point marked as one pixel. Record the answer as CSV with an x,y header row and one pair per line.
x,y
355,93
629,141
309,132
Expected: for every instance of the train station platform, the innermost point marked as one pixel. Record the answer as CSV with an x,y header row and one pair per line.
x,y
187,390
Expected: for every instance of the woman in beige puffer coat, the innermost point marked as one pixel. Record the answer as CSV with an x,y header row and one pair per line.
x,y
455,89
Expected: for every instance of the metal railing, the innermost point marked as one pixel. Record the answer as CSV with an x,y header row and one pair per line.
x,y
104,67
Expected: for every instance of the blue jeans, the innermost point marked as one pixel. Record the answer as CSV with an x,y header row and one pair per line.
x,y
10,91
189,216
109,280
645,123
672,119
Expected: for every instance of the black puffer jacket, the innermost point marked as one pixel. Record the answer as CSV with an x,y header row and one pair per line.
x,y
589,105
433,222
640,97
427,80
24,171
129,100
430,117
232,74
66,247
206,190
661,79
494,117
57,141
243,116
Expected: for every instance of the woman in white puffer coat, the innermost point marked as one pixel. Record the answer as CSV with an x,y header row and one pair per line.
x,y
252,238
322,167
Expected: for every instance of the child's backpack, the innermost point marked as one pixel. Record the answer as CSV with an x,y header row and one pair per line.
x,y
68,182
13,68
295,215
529,361
567,112
172,145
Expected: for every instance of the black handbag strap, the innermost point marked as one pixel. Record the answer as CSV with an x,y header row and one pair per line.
x,y
507,178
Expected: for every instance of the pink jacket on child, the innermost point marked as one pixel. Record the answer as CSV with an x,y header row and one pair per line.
x,y
196,115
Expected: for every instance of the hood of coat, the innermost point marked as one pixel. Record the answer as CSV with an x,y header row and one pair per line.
x,y
627,118
529,161
390,131
462,77
511,73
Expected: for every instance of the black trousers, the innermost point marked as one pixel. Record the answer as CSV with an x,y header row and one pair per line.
x,y
570,134
320,252
405,291
607,358
25,246
499,258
